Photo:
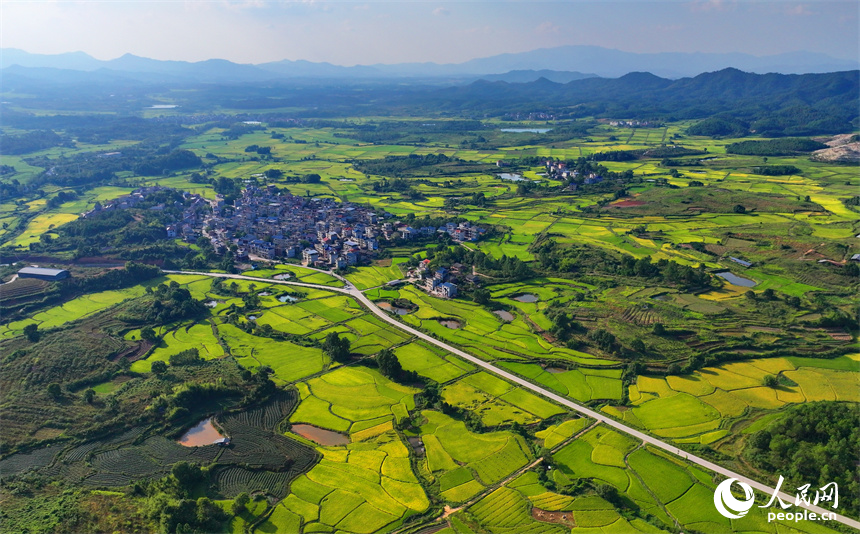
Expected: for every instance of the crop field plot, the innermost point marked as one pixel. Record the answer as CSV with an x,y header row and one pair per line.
x,y
582,384
685,491
355,398
464,462
75,309
482,332
428,361
691,405
188,336
290,362
370,335
497,401
374,480
295,273
363,490
381,272
556,434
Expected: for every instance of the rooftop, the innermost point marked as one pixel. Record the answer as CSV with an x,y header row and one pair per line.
x,y
41,271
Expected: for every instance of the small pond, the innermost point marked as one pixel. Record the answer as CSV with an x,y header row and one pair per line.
x,y
732,278
526,130
526,297
264,294
285,276
555,370
211,303
320,435
288,298
513,177
163,106
204,433
504,315
387,306
449,323
346,180
661,296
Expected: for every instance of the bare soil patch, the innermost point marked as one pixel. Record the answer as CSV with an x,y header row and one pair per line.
x,y
560,518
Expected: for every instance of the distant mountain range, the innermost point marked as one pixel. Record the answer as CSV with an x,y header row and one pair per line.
x,y
561,65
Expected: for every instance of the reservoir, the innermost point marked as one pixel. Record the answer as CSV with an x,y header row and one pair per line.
x,y
204,433
737,280
504,315
526,297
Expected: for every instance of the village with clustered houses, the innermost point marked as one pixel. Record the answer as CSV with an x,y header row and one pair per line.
x,y
267,224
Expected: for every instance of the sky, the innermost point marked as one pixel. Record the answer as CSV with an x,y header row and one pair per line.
x,y
368,32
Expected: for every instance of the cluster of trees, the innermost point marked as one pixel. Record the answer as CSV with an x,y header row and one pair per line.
x,y
670,271
719,127
32,141
506,267
613,155
475,199
262,150
164,164
189,396
777,170
398,165
132,273
235,130
394,132
788,146
149,158
395,185
336,347
390,367
61,198
584,258
814,443
170,501
563,325
164,304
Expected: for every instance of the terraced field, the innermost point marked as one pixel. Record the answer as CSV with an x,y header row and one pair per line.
x,y
464,463
701,408
664,488
355,400
362,487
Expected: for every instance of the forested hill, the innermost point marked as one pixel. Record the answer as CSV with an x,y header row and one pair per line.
x,y
828,101
735,103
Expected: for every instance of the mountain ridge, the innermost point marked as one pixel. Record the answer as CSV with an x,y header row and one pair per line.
x,y
560,64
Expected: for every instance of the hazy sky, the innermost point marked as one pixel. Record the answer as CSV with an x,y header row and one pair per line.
x,y
367,32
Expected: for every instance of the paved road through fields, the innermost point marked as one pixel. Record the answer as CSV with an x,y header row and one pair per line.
x,y
351,290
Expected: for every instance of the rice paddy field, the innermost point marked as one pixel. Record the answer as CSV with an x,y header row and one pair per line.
x,y
480,331
463,463
363,487
705,407
474,457
669,491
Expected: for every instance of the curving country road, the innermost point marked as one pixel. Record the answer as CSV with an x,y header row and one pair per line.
x,y
350,289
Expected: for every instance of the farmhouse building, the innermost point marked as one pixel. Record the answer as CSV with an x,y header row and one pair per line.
x,y
39,273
